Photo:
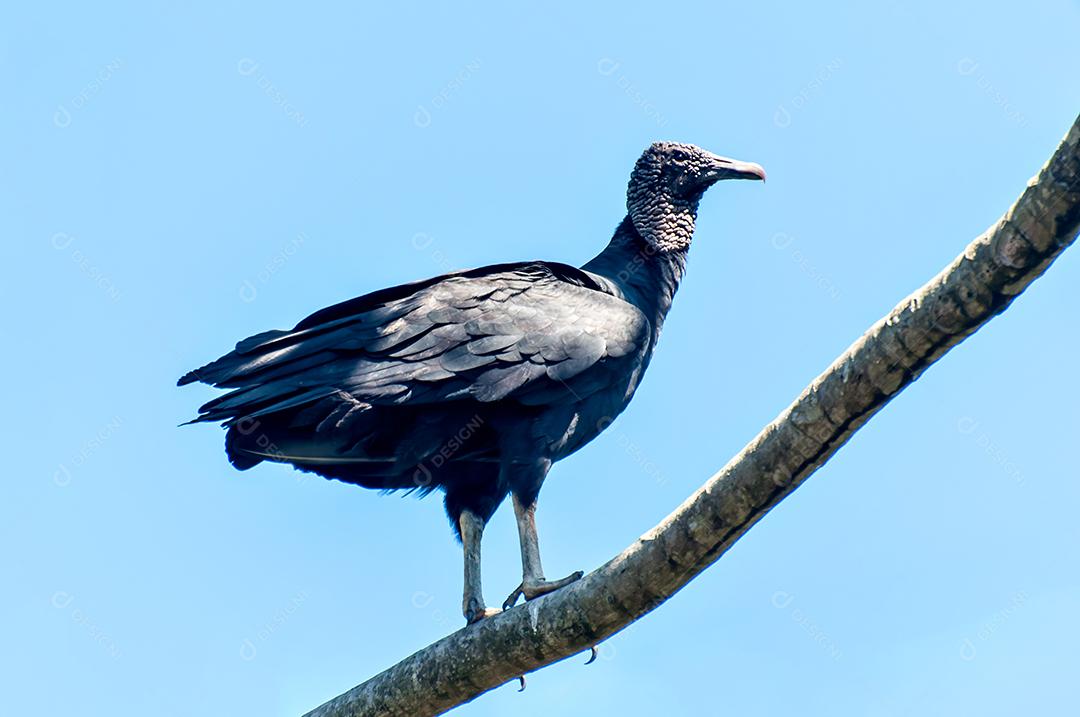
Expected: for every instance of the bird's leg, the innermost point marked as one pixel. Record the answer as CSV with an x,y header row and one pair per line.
x,y
533,583
472,603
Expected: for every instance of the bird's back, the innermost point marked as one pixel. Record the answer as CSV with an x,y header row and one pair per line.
x,y
403,387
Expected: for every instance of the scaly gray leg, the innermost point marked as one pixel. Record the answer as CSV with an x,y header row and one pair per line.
x,y
472,603
533,583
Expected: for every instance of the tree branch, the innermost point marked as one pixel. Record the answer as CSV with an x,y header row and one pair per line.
x,y
975,287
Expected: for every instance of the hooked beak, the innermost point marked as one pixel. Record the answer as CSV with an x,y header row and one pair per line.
x,y
726,168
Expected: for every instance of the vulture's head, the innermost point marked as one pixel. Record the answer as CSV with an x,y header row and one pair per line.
x,y
666,186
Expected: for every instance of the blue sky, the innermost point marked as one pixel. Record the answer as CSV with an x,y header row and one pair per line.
x,y
176,179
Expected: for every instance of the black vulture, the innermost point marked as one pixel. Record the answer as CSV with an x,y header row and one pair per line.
x,y
474,382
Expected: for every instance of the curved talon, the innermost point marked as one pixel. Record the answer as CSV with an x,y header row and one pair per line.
x,y
533,590
513,598
522,678
592,657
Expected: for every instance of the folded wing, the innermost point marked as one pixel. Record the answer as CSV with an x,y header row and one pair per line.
x,y
534,333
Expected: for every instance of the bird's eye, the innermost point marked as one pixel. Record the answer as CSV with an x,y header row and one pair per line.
x,y
680,156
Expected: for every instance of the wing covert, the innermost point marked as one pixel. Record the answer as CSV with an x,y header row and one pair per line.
x,y
503,333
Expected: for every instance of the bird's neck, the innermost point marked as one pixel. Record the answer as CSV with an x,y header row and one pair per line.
x,y
646,276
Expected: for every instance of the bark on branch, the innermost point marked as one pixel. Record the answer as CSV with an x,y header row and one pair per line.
x,y
976,286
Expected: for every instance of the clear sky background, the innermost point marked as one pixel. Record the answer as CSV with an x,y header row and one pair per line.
x,y
176,179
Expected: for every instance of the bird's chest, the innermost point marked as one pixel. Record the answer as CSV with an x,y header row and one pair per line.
x,y
568,428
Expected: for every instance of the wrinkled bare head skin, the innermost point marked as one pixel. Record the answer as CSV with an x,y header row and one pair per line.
x,y
666,185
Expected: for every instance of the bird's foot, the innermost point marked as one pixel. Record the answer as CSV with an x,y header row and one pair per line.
x,y
535,589
477,614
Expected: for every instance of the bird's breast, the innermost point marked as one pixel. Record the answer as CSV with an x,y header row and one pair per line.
x,y
571,427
